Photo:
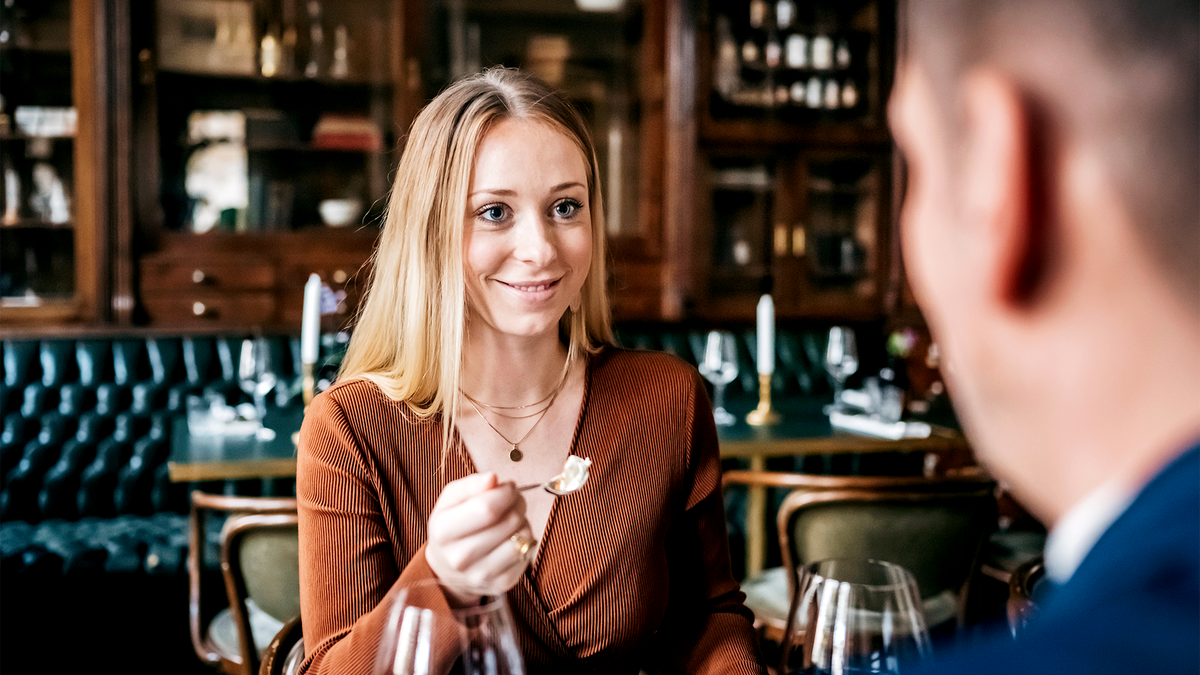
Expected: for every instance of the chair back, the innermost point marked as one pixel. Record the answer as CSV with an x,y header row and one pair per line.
x,y
1023,594
933,527
260,566
286,651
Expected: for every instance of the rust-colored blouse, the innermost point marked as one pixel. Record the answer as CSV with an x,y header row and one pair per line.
x,y
632,571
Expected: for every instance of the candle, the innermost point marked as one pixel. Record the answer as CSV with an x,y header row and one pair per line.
x,y
766,335
310,324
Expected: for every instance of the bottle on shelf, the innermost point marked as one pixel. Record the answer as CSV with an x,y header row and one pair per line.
x,y
796,51
785,14
287,38
822,52
316,41
842,54
725,73
340,67
12,195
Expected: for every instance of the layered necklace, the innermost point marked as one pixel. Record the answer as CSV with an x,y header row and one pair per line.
x,y
519,412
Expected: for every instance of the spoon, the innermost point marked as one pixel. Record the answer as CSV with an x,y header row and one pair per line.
x,y
573,477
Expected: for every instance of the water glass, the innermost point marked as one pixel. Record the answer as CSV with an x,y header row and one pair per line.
x,y
256,374
425,635
852,617
720,367
841,360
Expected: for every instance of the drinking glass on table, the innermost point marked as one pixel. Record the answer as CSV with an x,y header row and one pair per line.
x,y
841,360
256,376
852,617
720,367
425,635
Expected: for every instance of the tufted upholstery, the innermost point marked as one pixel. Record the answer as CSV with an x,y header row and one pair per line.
x,y
86,427
85,439
799,354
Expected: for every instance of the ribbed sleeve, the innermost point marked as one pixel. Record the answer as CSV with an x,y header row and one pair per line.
x,y
633,569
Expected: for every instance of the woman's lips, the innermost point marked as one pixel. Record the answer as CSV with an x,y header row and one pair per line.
x,y
534,290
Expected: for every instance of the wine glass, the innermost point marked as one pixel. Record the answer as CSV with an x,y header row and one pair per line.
x,y
256,377
841,360
720,367
425,635
853,617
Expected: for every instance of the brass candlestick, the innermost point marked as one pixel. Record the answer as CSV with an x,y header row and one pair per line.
x,y
307,383
763,415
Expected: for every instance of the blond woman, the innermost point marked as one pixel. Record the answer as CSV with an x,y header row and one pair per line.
x,y
482,359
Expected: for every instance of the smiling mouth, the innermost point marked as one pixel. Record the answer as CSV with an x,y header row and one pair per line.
x,y
534,287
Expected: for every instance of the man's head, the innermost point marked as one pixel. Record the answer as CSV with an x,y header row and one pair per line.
x,y
1052,227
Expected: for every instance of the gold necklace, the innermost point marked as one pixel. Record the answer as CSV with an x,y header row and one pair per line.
x,y
497,408
515,453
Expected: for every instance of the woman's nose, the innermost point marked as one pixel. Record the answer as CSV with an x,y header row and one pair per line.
x,y
535,241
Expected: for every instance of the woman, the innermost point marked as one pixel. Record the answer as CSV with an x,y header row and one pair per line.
x,y
482,359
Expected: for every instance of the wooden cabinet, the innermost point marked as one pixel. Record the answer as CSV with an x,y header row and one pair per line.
x,y
714,190
608,58
53,264
251,280
786,159
268,133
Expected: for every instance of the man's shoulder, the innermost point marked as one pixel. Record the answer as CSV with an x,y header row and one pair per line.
x,y
1132,606
1131,634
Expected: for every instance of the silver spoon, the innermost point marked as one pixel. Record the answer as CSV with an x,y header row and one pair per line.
x,y
562,484
554,486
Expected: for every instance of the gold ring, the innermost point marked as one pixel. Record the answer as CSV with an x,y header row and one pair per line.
x,y
522,543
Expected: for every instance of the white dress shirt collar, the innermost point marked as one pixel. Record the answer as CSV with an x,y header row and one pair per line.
x,y
1079,529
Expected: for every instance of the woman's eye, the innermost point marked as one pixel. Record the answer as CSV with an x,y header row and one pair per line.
x,y
566,208
493,213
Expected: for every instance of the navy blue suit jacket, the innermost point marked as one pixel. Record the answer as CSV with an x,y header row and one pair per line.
x,y
1132,606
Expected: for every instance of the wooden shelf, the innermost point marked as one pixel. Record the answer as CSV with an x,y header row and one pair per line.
x,y
742,133
222,79
36,224
49,311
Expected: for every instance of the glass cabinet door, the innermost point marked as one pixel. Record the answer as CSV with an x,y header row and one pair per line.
x,y
591,50
46,230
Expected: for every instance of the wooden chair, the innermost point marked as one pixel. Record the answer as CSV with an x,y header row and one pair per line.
x,y
935,527
286,651
1022,595
260,565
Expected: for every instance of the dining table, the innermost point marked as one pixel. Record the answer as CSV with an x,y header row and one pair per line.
x,y
803,430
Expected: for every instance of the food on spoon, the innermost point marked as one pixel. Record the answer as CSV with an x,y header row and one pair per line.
x,y
574,474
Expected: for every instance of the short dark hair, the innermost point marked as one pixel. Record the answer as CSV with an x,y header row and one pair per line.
x,y
1122,76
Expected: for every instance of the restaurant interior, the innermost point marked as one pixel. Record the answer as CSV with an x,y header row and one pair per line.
x,y
193,190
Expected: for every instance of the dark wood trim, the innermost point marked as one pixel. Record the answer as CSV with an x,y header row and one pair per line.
x,y
91,176
122,293
679,170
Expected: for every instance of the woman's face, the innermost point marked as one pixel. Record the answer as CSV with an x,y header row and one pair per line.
x,y
527,243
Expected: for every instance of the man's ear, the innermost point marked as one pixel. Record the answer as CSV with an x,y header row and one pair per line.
x,y
1004,185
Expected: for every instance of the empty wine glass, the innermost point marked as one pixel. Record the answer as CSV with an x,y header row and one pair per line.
x,y
256,376
425,635
720,367
841,360
852,617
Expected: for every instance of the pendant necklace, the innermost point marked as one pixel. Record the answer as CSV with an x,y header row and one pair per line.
x,y
515,453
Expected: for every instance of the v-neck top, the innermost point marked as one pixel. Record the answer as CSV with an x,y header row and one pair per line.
x,y
632,571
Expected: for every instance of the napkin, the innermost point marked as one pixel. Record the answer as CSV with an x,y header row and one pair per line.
x,y
873,426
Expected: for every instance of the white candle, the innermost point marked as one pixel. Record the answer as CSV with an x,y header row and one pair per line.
x,y
310,324
766,335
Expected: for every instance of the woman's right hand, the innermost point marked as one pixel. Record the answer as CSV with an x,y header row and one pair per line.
x,y
471,529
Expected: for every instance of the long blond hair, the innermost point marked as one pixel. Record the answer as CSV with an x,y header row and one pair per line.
x,y
408,337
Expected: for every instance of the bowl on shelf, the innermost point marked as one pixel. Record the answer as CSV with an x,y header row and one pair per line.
x,y
340,212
